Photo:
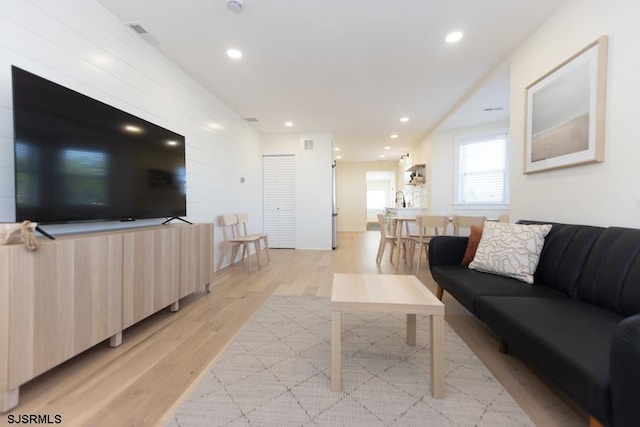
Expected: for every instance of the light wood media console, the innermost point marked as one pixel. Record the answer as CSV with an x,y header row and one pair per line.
x,y
80,290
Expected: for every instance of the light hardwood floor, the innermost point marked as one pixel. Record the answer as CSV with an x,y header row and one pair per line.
x,y
143,380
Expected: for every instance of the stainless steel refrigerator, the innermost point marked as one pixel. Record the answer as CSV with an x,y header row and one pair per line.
x,y
334,209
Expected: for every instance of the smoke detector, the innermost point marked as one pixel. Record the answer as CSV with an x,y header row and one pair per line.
x,y
235,5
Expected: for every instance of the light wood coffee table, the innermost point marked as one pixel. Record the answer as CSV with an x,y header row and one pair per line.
x,y
387,293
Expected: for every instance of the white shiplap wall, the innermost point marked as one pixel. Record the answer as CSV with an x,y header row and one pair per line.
x,y
80,45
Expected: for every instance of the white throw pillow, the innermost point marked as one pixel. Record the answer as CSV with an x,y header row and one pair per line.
x,y
510,249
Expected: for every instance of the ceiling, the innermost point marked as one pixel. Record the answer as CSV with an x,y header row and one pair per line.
x,y
353,68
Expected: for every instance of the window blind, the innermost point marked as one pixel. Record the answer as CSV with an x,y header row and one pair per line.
x,y
482,165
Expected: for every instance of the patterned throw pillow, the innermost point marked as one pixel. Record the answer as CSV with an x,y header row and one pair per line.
x,y
510,249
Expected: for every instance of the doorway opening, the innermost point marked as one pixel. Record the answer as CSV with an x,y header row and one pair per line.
x,y
380,186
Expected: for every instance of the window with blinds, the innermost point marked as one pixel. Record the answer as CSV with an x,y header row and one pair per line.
x,y
482,165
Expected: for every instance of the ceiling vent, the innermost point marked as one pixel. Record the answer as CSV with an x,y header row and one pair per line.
x,y
142,32
251,119
308,144
138,28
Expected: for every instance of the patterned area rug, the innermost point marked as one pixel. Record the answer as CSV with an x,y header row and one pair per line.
x,y
277,371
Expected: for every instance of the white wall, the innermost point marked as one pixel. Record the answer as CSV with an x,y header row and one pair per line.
x,y
80,45
605,193
438,152
351,179
314,192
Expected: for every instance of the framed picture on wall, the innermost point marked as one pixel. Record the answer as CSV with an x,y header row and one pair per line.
x,y
565,112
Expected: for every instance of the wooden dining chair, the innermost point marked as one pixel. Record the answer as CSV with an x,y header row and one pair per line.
x,y
243,219
428,227
461,222
233,240
386,238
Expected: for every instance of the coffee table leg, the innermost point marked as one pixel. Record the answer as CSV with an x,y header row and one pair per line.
x,y
411,329
437,356
336,350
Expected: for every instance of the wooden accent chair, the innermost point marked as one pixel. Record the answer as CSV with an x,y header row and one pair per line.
x,y
234,240
243,219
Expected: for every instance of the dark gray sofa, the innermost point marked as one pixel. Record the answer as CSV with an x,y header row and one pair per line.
x,y
579,322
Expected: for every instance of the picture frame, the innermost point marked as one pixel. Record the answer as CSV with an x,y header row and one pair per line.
x,y
565,112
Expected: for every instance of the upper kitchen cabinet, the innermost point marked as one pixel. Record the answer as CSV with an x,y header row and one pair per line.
x,y
415,174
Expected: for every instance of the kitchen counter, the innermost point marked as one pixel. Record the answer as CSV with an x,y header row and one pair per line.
x,y
406,213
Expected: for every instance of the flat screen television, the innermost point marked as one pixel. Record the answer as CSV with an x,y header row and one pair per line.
x,y
78,159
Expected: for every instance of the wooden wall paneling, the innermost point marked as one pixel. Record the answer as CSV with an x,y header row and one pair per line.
x,y
196,266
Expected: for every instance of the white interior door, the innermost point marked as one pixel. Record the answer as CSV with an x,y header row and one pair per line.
x,y
278,176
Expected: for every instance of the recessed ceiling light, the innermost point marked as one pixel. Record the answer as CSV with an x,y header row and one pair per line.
x,y
394,136
234,53
338,157
453,37
404,119
132,128
336,149
381,156
387,148
214,125
288,124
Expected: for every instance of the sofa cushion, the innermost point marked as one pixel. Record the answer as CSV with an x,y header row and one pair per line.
x,y
611,276
625,380
466,285
447,250
510,249
569,340
564,255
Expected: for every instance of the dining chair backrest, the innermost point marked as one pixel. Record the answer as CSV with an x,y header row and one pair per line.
x,y
242,219
428,226
432,225
384,230
229,225
465,222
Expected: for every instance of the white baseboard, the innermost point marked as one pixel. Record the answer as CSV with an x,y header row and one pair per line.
x,y
352,229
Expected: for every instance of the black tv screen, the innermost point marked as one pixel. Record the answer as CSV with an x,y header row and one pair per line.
x,y
78,159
